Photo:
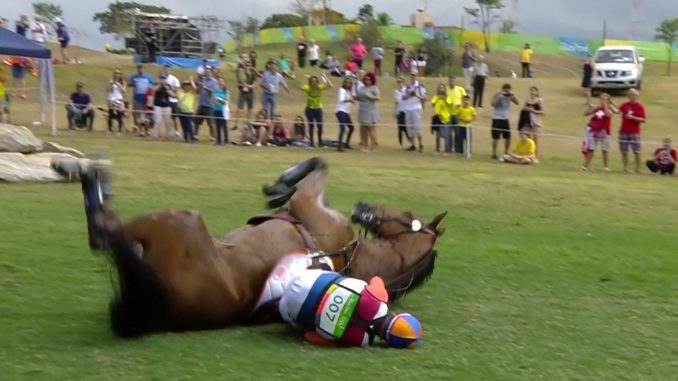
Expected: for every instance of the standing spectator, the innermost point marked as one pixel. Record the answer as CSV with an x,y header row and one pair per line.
x,y
414,98
20,66
162,108
140,83
4,99
246,77
440,124
368,113
344,100
38,31
480,75
501,127
399,54
598,129
358,52
314,54
524,151
302,50
271,81
633,114
116,100
422,58
63,37
253,58
314,107
467,60
526,60
174,84
465,116
399,110
151,41
530,117
207,86
220,110
456,96
664,159
413,64
587,70
378,57
186,98
202,69
80,108
22,25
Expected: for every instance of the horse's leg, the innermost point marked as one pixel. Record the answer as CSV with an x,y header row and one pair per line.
x,y
199,286
285,187
330,230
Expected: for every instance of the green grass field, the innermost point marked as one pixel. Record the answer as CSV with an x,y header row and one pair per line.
x,y
545,272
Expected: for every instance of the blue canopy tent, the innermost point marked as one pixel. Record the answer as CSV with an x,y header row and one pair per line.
x,y
12,44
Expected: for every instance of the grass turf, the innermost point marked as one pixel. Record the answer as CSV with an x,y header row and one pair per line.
x,y
544,272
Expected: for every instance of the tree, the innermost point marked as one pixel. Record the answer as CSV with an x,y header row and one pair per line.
x,y
281,20
484,15
365,13
439,56
384,19
667,31
116,19
302,8
251,25
508,27
238,29
49,11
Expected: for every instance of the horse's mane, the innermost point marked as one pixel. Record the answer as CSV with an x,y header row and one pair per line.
x,y
416,276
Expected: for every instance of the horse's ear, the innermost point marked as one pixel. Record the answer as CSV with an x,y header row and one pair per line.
x,y
437,219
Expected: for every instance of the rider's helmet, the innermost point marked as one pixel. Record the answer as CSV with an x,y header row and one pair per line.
x,y
404,331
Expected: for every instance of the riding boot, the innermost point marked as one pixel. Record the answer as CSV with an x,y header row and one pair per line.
x,y
279,199
292,176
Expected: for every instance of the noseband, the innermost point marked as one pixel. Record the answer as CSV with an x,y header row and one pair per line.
x,y
372,222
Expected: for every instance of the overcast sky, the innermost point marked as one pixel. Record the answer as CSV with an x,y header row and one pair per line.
x,y
570,18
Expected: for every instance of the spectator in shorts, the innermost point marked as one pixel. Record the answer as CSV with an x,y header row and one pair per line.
x,y
524,151
80,108
530,119
162,108
174,84
207,86
399,111
186,96
140,83
442,118
633,114
314,54
465,116
664,159
63,37
344,101
413,104
220,110
246,77
598,129
378,57
501,127
271,81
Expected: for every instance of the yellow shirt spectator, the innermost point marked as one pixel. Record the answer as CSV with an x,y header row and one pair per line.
x,y
2,83
526,55
441,107
314,100
186,101
465,115
525,148
457,94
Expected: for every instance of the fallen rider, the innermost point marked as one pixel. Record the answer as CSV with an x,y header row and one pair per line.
x,y
336,310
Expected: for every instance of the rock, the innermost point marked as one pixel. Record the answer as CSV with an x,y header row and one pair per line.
x,y
55,147
16,167
18,139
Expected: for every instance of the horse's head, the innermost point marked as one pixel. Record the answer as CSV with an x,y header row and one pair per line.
x,y
403,250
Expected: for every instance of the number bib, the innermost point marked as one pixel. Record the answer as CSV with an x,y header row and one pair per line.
x,y
335,310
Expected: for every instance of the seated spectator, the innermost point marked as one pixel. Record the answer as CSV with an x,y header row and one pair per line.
x,y
299,128
256,132
284,67
351,68
279,136
664,159
80,110
524,151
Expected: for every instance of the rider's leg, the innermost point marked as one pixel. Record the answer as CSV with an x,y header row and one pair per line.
x,y
291,177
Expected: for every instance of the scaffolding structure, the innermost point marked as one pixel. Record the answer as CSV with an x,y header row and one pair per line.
x,y
162,34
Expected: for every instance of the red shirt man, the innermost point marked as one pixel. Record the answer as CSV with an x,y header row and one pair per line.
x,y
633,114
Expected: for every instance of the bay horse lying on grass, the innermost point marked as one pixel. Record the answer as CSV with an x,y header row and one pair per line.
x,y
172,275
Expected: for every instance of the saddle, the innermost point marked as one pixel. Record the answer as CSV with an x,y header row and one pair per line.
x,y
284,214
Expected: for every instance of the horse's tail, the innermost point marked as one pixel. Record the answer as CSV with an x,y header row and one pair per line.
x,y
140,304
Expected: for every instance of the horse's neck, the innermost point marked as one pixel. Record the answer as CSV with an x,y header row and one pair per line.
x,y
376,257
